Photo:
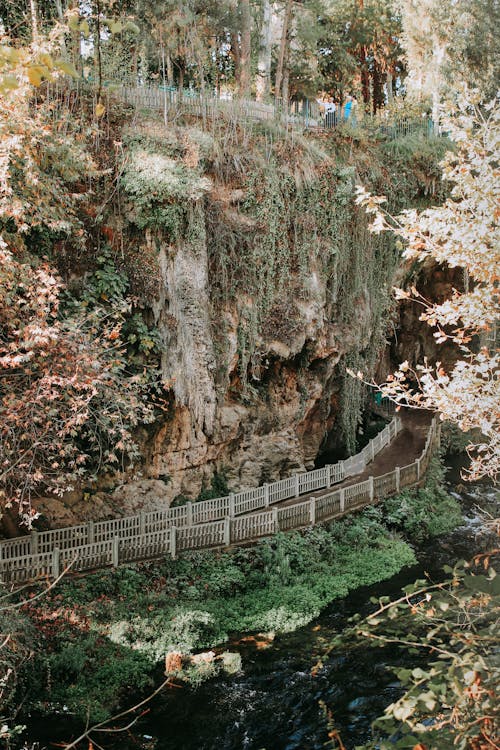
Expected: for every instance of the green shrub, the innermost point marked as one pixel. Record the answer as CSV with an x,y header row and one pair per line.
x,y
426,512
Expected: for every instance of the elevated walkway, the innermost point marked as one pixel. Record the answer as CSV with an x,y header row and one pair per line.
x,y
397,457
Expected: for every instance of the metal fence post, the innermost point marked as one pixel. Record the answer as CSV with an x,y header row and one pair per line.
x,y
34,542
397,471
342,500
115,552
227,532
312,511
173,542
56,562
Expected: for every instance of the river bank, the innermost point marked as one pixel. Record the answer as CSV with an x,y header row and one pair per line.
x,y
289,693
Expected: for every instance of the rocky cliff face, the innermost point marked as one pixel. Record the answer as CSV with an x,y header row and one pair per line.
x,y
263,283
257,404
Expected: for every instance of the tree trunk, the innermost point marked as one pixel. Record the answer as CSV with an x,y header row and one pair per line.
x,y
97,43
378,87
389,86
181,81
60,16
283,49
170,70
246,30
365,75
34,21
59,9
263,77
235,53
285,86
76,56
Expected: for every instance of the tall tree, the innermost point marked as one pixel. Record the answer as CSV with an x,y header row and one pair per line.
x,y
284,48
245,47
263,77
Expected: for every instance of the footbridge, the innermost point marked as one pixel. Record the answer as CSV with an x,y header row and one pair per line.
x,y
397,457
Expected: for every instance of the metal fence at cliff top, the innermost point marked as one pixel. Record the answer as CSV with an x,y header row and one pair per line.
x,y
304,114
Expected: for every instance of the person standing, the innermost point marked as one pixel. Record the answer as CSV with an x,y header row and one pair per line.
x,y
347,108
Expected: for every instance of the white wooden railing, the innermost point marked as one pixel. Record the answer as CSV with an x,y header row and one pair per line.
x,y
109,543
190,514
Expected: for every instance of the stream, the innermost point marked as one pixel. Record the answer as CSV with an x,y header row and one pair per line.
x,y
277,701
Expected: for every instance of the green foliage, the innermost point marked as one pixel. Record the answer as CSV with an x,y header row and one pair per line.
x,y
105,296
426,512
414,164
218,487
160,187
89,672
453,439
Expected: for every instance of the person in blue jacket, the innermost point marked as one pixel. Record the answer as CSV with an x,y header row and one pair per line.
x,y
347,108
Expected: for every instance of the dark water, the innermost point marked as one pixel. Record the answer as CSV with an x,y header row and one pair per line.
x,y
277,701
280,699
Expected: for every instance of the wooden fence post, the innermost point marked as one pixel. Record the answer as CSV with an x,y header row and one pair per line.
x,y
227,532
276,520
312,511
342,500
56,562
173,542
266,496
372,492
418,468
397,471
34,542
90,532
297,486
142,523
231,505
189,513
328,477
115,552
372,444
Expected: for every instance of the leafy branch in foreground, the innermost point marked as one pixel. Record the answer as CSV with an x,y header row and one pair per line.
x,y
462,233
449,701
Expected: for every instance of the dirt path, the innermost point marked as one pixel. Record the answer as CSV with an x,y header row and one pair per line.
x,y
404,449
